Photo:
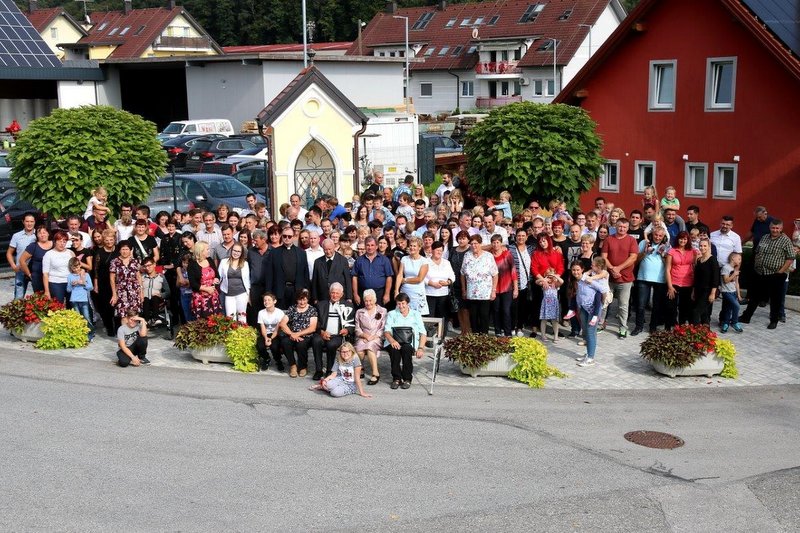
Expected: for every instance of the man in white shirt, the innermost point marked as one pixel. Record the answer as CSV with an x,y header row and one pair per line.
x,y
210,232
726,240
294,201
489,229
313,252
446,186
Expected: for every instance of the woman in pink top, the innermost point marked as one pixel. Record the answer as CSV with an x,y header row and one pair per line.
x,y
680,280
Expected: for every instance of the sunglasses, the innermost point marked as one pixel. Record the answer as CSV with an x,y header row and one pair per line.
x,y
288,236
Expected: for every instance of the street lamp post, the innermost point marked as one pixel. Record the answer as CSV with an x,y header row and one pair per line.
x,y
555,70
305,38
405,19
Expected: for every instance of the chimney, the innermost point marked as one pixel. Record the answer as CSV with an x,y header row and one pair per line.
x,y
33,5
442,5
391,6
126,8
170,4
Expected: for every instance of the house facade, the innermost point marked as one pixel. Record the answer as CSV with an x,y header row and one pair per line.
x,y
55,26
487,54
699,95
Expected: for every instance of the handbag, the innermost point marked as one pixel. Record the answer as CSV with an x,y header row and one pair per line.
x,y
403,335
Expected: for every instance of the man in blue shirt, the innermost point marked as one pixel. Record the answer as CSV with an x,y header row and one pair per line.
x,y
19,241
372,271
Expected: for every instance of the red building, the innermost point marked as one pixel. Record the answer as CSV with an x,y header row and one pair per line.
x,y
701,95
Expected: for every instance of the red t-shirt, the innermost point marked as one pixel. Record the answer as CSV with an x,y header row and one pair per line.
x,y
618,251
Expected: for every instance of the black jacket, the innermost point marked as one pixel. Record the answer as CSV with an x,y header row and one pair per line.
x,y
321,279
275,278
347,316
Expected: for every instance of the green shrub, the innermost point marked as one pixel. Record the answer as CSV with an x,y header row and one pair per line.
x,y
532,367
727,352
63,329
475,350
240,345
59,159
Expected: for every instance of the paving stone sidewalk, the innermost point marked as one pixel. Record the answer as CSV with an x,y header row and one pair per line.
x,y
764,357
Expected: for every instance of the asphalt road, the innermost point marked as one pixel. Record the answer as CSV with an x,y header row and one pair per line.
x,y
88,446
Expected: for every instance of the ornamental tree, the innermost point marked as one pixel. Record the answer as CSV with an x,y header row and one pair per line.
x,y
543,150
60,159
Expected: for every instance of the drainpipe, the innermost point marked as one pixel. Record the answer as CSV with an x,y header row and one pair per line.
x,y
357,159
268,165
458,89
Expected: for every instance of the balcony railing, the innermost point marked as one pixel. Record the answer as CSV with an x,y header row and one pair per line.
x,y
485,102
181,42
497,67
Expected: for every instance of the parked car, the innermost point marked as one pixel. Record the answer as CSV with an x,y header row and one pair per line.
x,y
161,198
255,177
231,164
254,138
5,166
12,209
210,190
182,144
208,149
442,144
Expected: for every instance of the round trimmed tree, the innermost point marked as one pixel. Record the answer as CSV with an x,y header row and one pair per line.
x,y
59,159
534,150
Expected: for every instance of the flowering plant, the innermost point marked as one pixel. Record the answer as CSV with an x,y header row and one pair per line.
x,y
679,347
28,310
206,332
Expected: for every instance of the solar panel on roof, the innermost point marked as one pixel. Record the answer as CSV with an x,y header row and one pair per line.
x,y
780,16
20,44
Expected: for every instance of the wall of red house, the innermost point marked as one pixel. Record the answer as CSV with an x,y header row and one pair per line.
x,y
764,129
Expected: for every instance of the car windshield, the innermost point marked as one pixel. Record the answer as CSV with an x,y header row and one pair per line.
x,y
4,161
9,199
174,127
226,188
200,144
164,194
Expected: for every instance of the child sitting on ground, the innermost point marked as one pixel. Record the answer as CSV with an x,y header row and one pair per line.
x,y
79,285
345,376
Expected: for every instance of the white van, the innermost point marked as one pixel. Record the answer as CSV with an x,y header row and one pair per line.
x,y
221,126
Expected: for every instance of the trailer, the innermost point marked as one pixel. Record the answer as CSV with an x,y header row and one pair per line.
x,y
389,145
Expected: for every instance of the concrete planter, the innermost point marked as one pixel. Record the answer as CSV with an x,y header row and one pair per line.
x,y
30,333
212,354
499,367
709,365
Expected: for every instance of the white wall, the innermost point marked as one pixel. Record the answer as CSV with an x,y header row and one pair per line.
x,y
445,90
76,94
224,90
366,84
108,91
605,26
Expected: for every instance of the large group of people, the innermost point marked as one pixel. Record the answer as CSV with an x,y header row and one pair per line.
x,y
349,280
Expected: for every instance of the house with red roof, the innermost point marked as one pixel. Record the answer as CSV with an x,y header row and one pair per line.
x,y
55,26
140,33
699,95
487,54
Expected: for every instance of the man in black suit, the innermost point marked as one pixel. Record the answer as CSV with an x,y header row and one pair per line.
x,y
285,270
328,269
336,322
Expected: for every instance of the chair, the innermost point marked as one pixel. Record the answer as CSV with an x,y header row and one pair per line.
x,y
433,348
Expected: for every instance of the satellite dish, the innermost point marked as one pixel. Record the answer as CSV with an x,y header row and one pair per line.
x,y
474,33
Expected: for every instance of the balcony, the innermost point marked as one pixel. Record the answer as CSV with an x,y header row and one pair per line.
x,y
485,102
497,70
181,43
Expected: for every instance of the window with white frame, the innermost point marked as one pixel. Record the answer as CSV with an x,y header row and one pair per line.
x,y
720,83
543,88
54,32
644,175
609,181
662,85
468,88
426,89
725,178
696,180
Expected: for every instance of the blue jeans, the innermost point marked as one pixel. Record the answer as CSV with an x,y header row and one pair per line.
x,y
58,291
589,333
83,309
730,309
20,284
186,305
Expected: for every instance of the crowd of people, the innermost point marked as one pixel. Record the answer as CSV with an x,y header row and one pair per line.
x,y
349,280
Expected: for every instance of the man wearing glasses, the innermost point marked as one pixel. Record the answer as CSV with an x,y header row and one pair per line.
x,y
286,270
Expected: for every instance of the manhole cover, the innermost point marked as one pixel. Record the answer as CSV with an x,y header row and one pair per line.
x,y
654,439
